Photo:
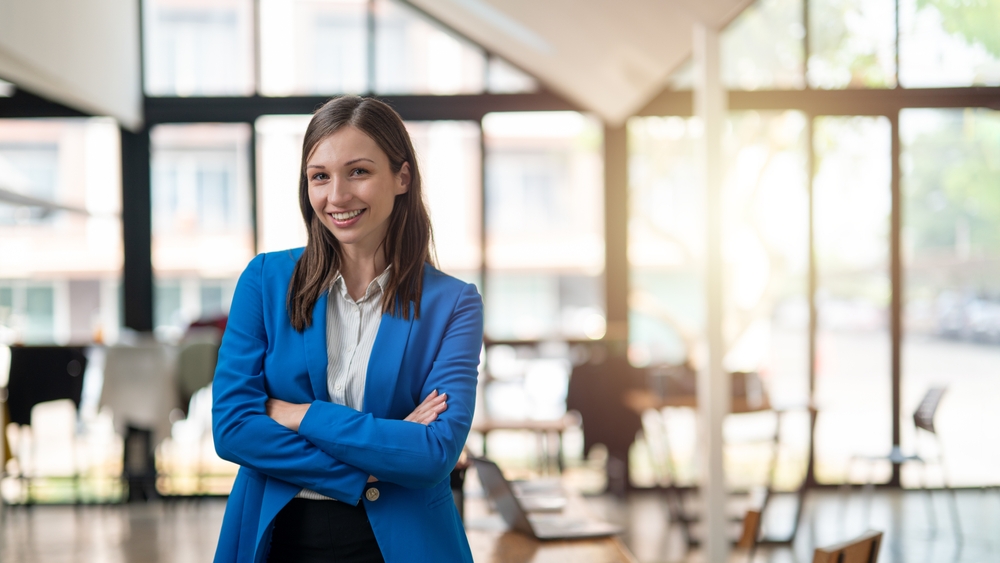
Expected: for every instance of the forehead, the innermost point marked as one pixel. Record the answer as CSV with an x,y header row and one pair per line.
x,y
344,145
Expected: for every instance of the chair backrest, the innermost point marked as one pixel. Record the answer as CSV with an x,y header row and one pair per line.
x,y
43,373
751,527
195,368
862,549
923,417
140,387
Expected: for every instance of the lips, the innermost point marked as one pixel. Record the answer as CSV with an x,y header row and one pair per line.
x,y
346,218
346,215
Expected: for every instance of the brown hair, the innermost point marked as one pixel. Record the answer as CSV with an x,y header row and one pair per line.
x,y
408,239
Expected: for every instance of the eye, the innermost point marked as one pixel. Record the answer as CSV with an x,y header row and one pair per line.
x,y
319,176
359,172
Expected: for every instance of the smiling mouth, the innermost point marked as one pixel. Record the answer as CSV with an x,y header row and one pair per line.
x,y
346,215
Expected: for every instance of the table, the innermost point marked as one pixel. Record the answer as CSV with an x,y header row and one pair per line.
x,y
544,431
491,542
639,400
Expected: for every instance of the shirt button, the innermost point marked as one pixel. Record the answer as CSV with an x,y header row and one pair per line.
x,y
372,494
337,387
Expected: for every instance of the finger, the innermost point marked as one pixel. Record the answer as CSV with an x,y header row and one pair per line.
x,y
429,404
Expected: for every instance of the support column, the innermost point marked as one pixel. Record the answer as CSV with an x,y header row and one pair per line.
x,y
896,305
616,236
137,233
713,382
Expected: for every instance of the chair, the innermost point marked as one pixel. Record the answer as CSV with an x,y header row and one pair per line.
x,y
862,549
923,420
140,388
676,388
196,361
43,374
750,533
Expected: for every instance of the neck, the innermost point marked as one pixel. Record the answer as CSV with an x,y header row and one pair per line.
x,y
360,268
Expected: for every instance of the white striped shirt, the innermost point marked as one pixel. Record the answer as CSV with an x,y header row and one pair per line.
x,y
351,327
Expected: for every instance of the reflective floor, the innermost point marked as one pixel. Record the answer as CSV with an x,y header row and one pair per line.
x,y
186,531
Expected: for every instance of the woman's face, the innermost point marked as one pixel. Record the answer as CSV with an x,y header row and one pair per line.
x,y
352,188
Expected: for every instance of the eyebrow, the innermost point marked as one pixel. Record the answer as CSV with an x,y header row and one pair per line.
x,y
345,164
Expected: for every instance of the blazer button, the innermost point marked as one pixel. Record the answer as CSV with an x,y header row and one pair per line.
x,y
372,494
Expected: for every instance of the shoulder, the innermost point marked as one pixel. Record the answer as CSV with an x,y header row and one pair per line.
x,y
276,262
436,281
272,269
443,293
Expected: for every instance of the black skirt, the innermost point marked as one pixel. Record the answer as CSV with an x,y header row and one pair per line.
x,y
321,531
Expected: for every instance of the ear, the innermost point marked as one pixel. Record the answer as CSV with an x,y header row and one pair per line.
x,y
403,179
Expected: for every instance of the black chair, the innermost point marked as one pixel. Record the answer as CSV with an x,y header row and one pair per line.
x,y
923,420
39,374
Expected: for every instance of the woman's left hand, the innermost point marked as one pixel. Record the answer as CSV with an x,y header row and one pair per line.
x,y
287,414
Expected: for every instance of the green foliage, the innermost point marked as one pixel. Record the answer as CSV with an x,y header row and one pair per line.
x,y
977,21
953,188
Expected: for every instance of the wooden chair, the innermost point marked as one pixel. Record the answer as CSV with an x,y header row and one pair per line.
x,y
750,533
862,549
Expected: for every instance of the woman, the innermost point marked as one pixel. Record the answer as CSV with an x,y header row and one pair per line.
x,y
328,352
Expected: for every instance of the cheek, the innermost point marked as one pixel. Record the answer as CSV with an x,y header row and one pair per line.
x,y
316,200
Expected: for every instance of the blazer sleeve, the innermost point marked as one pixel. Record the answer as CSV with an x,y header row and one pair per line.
x,y
243,432
407,453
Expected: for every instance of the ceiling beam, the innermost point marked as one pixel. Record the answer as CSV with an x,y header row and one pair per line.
x,y
412,108
834,102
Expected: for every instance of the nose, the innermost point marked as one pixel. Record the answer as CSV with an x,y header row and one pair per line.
x,y
337,192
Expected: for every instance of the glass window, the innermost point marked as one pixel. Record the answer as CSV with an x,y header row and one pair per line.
x,y
313,47
665,240
851,206
951,170
505,78
762,47
200,48
279,155
60,230
544,228
945,43
852,44
30,169
765,238
448,153
415,56
202,230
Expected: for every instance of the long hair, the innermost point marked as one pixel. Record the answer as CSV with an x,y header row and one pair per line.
x,y
408,238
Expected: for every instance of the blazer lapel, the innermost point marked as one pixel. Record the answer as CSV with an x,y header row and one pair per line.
x,y
314,342
383,365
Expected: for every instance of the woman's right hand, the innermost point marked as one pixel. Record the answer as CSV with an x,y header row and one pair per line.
x,y
428,411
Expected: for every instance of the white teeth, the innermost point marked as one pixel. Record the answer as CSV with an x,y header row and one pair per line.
x,y
346,215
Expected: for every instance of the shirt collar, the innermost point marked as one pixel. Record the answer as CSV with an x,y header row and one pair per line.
x,y
379,283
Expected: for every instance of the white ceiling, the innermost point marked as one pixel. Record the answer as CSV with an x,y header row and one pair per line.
x,y
84,54
610,57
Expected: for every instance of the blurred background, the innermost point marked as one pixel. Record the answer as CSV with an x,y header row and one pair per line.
x,y
559,145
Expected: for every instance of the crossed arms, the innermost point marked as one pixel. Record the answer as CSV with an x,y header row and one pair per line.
x,y
334,448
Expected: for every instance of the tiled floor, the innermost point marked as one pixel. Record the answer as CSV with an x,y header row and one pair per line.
x,y
186,531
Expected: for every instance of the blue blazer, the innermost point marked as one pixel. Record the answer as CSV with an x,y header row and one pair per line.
x,y
337,447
